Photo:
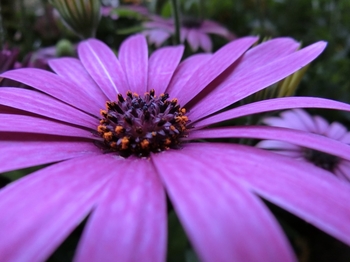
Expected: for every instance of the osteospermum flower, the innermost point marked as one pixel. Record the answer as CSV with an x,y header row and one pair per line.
x,y
193,31
122,133
299,119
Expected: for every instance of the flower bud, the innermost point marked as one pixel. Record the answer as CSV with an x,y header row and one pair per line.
x,y
81,16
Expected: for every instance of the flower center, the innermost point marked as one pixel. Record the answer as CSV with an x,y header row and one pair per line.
x,y
320,159
137,125
190,22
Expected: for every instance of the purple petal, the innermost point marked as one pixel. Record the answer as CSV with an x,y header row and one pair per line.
x,y
157,37
44,105
30,124
47,205
69,68
55,86
223,220
162,65
252,79
311,193
273,104
184,72
212,27
133,56
103,66
33,150
129,222
205,42
207,72
336,131
193,39
301,138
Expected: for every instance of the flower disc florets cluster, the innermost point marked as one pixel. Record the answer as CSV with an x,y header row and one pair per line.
x,y
321,159
137,125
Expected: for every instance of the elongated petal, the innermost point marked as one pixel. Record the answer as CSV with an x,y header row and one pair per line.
x,y
72,69
273,104
157,36
254,79
311,193
55,86
129,222
301,138
133,56
44,105
205,42
184,71
193,39
47,206
33,150
103,66
30,124
223,220
207,72
215,28
162,65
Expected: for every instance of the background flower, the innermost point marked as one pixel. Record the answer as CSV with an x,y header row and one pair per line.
x,y
301,120
212,186
192,30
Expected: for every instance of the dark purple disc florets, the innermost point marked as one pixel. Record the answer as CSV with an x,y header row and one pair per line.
x,y
321,159
137,125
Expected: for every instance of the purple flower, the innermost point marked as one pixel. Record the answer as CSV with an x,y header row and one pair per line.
x,y
301,120
212,186
192,30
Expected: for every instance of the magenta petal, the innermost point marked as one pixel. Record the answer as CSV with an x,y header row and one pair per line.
x,y
223,220
133,56
301,138
193,39
44,105
69,68
252,79
184,72
207,72
157,37
29,124
270,105
311,193
162,65
205,42
103,66
40,210
129,222
33,150
53,85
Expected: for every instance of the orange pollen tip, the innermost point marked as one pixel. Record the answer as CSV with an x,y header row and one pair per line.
x,y
154,133
113,145
135,94
103,112
167,142
144,144
183,110
174,101
172,128
181,119
101,129
125,143
108,136
119,129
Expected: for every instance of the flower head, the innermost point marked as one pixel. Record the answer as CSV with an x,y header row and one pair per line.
x,y
300,120
192,30
158,151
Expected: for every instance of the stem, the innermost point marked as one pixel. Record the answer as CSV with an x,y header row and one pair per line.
x,y
176,15
201,9
2,31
